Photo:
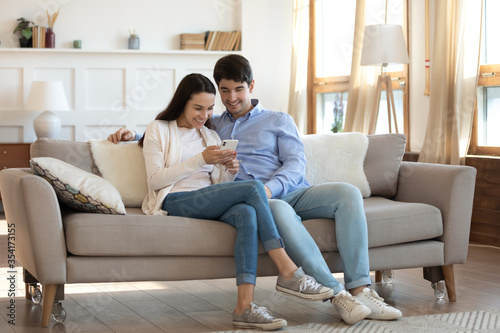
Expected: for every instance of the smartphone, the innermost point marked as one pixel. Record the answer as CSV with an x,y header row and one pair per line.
x,y
228,144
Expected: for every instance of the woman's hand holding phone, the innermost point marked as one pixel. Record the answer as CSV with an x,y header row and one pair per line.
x,y
213,155
224,154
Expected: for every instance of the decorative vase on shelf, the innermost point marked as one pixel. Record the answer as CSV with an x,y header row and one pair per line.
x,y
50,39
133,42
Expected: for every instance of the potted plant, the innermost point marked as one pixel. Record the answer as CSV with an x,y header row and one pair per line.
x,y
24,26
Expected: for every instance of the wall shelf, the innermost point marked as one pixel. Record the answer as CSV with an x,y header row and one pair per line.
x,y
123,51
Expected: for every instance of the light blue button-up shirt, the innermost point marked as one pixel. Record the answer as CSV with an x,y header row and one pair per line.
x,y
269,148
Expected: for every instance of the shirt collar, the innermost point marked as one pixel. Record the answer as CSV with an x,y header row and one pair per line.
x,y
257,108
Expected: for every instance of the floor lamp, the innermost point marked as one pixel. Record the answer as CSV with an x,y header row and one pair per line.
x,y
384,44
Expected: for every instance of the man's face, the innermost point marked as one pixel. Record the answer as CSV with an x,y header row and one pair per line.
x,y
236,97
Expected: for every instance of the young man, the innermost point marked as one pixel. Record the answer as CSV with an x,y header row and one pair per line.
x,y
270,150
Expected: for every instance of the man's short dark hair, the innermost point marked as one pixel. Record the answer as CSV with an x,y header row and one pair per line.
x,y
233,67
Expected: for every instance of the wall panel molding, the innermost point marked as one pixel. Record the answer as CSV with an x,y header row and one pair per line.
x,y
105,90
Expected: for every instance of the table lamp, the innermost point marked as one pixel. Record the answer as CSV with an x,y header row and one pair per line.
x,y
384,44
48,96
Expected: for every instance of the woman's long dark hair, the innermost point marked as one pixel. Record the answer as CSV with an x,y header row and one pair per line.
x,y
191,84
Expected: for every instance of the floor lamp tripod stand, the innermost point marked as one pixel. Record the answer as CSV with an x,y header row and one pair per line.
x,y
384,44
384,79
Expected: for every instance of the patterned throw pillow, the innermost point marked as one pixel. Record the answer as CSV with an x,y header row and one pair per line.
x,y
77,188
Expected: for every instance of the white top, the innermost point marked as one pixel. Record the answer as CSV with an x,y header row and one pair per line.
x,y
192,144
162,155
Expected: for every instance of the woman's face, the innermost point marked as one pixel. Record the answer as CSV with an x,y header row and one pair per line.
x,y
197,110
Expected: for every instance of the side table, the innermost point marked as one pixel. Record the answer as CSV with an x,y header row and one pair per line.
x,y
14,155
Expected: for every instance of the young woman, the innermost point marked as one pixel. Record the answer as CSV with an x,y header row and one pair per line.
x,y
189,176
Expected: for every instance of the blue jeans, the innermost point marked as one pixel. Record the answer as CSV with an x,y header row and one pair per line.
x,y
242,205
340,201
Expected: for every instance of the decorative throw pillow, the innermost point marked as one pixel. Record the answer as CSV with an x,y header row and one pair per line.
x,y
382,162
77,188
337,158
122,164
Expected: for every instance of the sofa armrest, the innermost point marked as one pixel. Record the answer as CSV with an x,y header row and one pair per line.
x,y
449,188
32,208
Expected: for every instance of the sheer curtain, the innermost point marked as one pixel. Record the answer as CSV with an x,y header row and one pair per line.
x,y
454,74
362,84
297,103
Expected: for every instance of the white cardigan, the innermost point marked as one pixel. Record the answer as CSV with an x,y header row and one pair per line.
x,y
162,154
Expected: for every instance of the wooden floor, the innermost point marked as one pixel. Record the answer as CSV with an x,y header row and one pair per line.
x,y
206,305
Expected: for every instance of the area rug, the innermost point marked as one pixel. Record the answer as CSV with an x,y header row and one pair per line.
x,y
462,322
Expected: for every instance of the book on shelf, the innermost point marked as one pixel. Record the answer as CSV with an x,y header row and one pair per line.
x,y
214,40
38,37
208,38
192,41
222,40
34,37
237,45
211,41
43,31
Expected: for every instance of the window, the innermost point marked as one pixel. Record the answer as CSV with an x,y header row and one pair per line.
x,y
485,133
332,30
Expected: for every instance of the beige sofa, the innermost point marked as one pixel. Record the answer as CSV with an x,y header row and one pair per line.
x,y
418,215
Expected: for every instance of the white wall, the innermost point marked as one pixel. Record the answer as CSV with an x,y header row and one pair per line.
x,y
267,25
104,80
104,25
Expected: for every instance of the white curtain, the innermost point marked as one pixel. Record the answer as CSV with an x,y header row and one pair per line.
x,y
297,104
454,74
362,84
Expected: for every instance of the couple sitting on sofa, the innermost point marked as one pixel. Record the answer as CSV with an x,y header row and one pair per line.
x,y
268,200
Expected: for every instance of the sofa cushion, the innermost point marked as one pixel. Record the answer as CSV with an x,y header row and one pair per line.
x,y
337,158
122,164
136,234
77,188
389,222
383,158
72,152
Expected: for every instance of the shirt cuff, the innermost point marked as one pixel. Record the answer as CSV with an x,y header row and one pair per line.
x,y
275,187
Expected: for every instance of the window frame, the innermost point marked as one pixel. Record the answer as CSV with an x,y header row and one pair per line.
x,y
317,85
491,80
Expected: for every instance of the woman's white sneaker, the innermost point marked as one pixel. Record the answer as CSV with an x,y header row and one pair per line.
x,y
303,286
349,308
379,309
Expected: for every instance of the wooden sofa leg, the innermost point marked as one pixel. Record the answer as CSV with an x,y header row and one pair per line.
x,y
49,294
449,279
378,276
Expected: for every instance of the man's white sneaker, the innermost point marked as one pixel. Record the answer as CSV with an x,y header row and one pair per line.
x,y
349,308
379,309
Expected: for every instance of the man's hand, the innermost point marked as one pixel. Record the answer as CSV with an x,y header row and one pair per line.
x,y
122,134
268,192
233,166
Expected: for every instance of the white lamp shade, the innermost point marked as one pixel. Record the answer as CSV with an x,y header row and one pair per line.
x,y
384,44
47,95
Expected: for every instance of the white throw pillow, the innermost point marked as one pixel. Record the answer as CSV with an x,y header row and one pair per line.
x,y
122,164
337,158
78,188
